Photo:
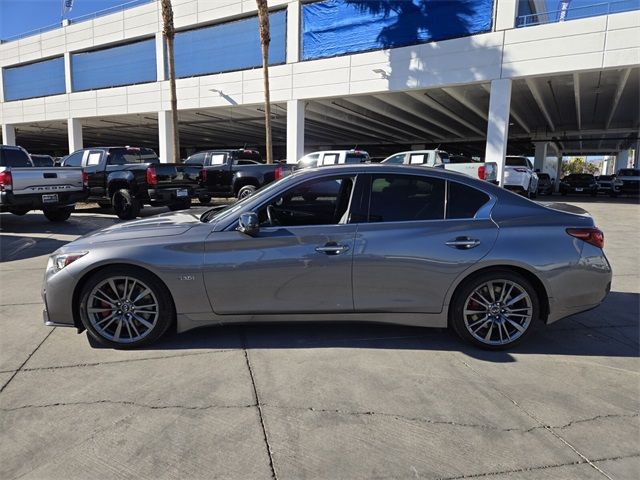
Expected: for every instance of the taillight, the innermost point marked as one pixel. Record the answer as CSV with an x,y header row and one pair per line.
x,y
482,170
85,179
203,175
278,173
152,178
593,236
6,181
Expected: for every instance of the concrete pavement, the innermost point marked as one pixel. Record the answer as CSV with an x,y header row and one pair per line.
x,y
322,401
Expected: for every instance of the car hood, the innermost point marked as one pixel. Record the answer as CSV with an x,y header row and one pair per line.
x,y
163,225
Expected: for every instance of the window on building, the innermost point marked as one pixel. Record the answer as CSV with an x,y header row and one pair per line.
x,y
38,79
116,66
228,46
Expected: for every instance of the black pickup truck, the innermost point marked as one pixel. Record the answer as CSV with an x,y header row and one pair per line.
x,y
233,173
127,178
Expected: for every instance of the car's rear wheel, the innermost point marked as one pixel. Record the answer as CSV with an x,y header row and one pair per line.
x,y
126,206
20,211
495,310
125,307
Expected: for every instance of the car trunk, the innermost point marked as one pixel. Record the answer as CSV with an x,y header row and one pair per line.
x,y
176,175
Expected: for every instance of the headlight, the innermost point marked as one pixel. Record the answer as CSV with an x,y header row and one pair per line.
x,y
64,259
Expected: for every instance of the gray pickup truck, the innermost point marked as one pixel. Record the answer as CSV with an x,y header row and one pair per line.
x,y
24,187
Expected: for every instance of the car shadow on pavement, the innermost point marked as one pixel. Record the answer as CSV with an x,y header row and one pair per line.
x,y
38,224
20,247
611,330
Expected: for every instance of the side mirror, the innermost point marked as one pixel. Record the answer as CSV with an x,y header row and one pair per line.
x,y
249,224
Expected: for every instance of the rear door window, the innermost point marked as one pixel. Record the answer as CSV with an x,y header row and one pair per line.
x,y
464,201
197,159
74,160
14,157
401,198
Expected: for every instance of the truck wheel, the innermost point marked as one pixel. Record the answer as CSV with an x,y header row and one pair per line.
x,y
246,191
20,212
204,199
180,205
58,214
125,205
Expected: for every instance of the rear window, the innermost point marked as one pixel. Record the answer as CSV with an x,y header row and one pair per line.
x,y
248,155
121,156
14,157
544,176
356,158
517,162
464,201
629,172
461,159
42,160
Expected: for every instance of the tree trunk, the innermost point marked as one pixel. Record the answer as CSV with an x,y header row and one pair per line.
x,y
169,33
265,39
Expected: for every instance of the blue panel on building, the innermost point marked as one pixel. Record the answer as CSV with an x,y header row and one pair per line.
x,y
113,67
228,46
39,79
340,27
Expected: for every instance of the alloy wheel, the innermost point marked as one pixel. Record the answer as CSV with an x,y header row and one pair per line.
x,y
122,309
498,312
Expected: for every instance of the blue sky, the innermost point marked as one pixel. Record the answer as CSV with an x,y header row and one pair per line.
x,y
20,16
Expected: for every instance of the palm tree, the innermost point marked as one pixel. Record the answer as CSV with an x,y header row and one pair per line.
x,y
265,39
169,33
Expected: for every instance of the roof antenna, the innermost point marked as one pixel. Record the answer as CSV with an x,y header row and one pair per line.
x,y
438,147
355,148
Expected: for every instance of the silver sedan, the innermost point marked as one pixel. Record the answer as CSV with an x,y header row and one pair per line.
x,y
374,243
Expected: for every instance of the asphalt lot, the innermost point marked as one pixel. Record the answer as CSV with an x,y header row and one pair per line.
x,y
318,400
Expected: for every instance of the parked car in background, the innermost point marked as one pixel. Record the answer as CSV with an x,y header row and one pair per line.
x,y
25,187
545,184
127,178
333,157
233,173
627,182
581,183
605,183
416,246
42,160
520,177
441,159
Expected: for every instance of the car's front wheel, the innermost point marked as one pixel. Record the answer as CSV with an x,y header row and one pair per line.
x,y
125,307
495,310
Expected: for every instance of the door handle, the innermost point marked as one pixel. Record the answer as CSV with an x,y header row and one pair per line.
x,y
463,243
332,248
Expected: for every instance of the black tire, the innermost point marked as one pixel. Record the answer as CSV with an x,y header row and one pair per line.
x,y
456,312
246,191
126,206
58,214
205,199
165,314
20,212
180,205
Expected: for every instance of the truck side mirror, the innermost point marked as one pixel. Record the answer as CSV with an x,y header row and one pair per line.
x,y
249,224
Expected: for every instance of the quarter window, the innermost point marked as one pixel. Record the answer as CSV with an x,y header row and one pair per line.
x,y
464,201
401,198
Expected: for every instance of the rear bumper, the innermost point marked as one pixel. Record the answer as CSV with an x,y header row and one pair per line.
x,y
578,190
33,201
167,196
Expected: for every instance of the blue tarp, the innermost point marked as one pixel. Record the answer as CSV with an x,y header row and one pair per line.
x,y
340,27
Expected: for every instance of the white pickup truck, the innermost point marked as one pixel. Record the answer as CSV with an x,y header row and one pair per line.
x,y
23,187
332,157
441,159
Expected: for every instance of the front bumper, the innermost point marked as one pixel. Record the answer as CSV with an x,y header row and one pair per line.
x,y
57,296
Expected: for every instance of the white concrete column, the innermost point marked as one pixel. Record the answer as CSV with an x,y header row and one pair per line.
x,y
636,155
1,86
74,131
622,160
540,156
161,58
506,11
68,83
498,125
295,130
293,32
8,134
165,137
556,185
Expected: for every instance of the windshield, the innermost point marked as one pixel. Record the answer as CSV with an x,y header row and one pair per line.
x,y
629,172
544,176
517,162
580,176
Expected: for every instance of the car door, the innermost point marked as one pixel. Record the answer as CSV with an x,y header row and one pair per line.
x,y
414,244
299,262
94,165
